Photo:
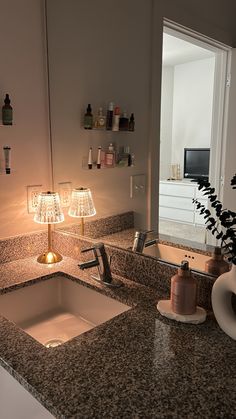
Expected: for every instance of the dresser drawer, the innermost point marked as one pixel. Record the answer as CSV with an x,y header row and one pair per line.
x,y
178,189
176,214
176,202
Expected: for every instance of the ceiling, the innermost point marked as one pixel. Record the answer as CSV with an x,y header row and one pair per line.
x,y
177,51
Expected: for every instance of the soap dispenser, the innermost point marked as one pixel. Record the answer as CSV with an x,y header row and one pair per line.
x,y
216,265
183,291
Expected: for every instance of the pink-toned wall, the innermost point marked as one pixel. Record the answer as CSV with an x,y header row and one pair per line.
x,y
23,76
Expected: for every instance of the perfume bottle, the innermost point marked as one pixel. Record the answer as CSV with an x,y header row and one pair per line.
x,y
110,156
100,120
7,111
88,118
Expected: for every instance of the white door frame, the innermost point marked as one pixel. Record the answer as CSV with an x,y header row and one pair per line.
x,y
220,100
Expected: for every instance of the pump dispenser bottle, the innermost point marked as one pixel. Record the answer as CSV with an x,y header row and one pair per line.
x,y
183,291
216,265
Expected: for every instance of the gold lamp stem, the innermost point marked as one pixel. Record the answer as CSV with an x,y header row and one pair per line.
x,y
49,237
82,226
51,256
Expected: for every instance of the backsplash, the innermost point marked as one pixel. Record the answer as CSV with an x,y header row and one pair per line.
x,y
103,226
23,246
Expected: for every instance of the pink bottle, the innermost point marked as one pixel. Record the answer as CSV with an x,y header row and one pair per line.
x,y
183,291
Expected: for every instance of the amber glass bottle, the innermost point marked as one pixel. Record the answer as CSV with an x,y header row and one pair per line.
x,y
7,111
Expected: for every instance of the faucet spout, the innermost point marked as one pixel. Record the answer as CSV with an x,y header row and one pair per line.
x,y
102,263
140,241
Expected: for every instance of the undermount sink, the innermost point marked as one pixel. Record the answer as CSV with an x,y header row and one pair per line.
x,y
58,309
176,255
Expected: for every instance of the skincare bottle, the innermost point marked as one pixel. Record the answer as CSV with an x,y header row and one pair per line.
x,y
109,116
100,120
7,150
131,122
110,156
99,158
116,119
216,265
88,118
124,122
7,111
90,158
183,291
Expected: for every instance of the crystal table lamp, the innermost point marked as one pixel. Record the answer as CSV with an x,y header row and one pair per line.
x,y
49,212
81,205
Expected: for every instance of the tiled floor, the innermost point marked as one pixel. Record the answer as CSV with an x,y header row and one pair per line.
x,y
182,231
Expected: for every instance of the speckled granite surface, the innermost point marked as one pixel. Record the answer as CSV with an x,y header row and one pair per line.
x,y
102,226
22,246
139,268
137,365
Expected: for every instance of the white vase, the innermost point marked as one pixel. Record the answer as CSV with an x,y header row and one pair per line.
x,y
222,291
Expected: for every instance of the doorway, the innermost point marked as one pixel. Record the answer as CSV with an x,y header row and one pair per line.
x,y
192,104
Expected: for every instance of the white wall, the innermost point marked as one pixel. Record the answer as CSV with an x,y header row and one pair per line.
x,y
167,91
23,76
192,107
99,52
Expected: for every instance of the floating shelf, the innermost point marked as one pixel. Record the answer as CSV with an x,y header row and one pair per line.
x,y
107,168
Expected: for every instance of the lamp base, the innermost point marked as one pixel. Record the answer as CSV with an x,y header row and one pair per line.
x,y
49,257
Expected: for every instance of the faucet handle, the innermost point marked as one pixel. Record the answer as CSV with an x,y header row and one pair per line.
x,y
87,250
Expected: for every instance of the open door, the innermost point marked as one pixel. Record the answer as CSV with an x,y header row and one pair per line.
x,y
228,196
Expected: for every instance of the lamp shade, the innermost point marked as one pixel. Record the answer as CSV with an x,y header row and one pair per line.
x,y
81,203
49,209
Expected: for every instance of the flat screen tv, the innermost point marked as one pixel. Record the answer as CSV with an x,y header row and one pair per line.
x,y
196,163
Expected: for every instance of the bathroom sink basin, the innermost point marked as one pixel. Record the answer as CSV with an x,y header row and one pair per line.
x,y
58,309
176,255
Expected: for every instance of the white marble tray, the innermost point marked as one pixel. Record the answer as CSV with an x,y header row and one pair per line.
x,y
164,307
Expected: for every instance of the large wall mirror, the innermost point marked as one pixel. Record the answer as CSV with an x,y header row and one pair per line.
x,y
96,56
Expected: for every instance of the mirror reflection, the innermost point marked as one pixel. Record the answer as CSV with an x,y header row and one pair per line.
x,y
89,69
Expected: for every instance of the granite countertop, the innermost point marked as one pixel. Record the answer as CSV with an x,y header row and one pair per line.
x,y
137,365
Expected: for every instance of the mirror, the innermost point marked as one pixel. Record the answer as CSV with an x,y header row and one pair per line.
x,y
92,61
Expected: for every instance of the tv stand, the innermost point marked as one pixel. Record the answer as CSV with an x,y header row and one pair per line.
x,y
175,201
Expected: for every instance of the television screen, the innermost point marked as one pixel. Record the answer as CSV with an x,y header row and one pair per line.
x,y
196,163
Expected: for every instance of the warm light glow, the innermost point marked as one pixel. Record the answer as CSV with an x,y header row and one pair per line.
x,y
81,203
49,209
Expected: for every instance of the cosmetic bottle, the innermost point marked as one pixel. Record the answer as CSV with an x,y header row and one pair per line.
x,y
7,150
110,156
110,116
131,122
183,291
116,119
124,122
7,111
99,158
88,118
100,120
216,265
90,158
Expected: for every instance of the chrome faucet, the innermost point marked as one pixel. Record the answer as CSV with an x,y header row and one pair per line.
x,y
140,241
103,265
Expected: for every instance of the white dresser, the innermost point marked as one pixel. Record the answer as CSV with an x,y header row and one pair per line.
x,y
175,202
